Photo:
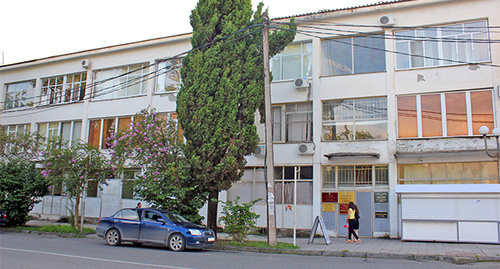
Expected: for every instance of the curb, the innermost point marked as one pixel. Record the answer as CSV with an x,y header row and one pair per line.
x,y
378,255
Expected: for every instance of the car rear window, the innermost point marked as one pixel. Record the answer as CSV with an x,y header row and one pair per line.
x,y
127,214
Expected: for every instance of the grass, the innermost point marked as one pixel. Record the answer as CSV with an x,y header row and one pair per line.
x,y
257,244
56,229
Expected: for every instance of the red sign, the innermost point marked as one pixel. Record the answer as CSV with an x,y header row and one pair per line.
x,y
329,197
343,208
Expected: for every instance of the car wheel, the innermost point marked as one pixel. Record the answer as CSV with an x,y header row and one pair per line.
x,y
113,237
176,242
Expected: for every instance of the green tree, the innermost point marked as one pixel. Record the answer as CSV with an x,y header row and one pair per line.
x,y
74,166
21,184
222,88
239,219
153,143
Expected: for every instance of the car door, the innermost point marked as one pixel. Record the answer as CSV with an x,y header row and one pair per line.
x,y
129,224
153,228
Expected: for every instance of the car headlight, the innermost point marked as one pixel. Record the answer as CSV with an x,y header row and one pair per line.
x,y
195,232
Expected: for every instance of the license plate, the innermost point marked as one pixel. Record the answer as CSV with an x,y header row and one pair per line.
x,y
210,239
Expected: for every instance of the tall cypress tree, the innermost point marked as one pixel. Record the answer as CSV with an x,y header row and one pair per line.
x,y
222,88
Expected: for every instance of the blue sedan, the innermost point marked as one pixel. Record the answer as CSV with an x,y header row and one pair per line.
x,y
143,225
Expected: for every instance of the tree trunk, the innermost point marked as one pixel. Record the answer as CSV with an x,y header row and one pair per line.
x,y
212,210
76,212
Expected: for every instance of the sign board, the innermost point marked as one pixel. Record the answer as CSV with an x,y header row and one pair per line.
x,y
343,208
319,220
381,197
329,197
381,215
328,207
346,196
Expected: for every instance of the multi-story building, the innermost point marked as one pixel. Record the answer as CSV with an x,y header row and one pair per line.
x,y
378,104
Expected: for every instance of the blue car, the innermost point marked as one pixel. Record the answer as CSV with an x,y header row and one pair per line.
x,y
143,225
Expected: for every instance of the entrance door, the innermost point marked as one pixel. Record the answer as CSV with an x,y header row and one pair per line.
x,y
364,203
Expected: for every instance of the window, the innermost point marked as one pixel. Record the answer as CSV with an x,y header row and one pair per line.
x,y
444,114
129,214
20,94
128,184
121,81
92,188
17,129
351,176
355,119
152,216
284,184
443,45
100,130
63,89
353,55
69,131
292,122
169,79
295,61
448,173
251,186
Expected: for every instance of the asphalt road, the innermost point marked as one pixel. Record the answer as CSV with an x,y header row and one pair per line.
x,y
18,250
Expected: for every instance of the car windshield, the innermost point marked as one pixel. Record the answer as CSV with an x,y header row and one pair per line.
x,y
175,218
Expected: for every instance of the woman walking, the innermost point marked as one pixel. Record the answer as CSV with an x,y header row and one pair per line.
x,y
353,222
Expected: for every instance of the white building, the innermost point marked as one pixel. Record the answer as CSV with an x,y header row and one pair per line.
x,y
394,96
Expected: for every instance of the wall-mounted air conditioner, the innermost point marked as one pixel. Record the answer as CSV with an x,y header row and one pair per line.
x,y
387,20
301,84
260,152
85,63
306,148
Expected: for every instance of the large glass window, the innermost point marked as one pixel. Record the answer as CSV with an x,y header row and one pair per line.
x,y
284,178
443,45
352,55
20,94
62,89
251,187
98,135
169,78
121,81
354,119
422,115
351,176
295,61
292,122
448,173
69,131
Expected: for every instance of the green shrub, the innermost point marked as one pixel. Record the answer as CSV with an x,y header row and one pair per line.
x,y
20,186
238,218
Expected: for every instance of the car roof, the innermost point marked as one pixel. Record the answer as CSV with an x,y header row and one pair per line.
x,y
142,209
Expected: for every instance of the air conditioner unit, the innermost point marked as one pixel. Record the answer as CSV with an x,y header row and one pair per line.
x,y
307,148
260,152
301,84
85,63
387,20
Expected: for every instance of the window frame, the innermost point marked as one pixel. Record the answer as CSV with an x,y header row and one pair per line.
x,y
48,131
161,80
471,131
353,120
65,91
329,171
355,48
282,197
21,97
436,58
278,58
115,80
284,123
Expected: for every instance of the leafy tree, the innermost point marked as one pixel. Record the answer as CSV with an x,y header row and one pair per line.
x,y
20,182
74,166
239,218
154,144
222,88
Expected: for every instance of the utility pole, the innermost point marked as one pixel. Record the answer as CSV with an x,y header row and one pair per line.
x,y
271,207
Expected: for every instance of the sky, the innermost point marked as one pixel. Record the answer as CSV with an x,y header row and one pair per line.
x,y
33,29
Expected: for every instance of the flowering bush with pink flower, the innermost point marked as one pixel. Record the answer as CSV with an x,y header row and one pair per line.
x,y
154,144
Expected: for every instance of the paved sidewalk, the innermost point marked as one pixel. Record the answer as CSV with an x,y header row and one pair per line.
x,y
368,248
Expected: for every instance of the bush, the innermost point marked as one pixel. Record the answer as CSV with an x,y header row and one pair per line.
x,y
20,184
238,218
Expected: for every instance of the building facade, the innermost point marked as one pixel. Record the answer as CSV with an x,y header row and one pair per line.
x,y
379,104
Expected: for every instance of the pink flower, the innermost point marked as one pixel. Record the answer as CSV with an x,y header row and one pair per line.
x,y
73,160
